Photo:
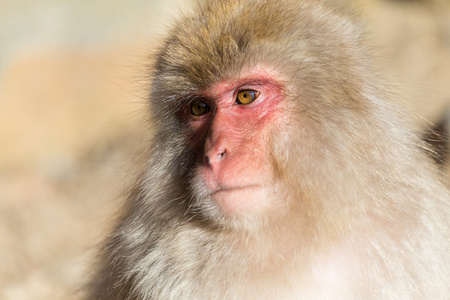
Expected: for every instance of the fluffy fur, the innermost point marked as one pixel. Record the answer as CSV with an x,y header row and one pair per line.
x,y
358,211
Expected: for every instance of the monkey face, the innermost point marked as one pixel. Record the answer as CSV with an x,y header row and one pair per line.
x,y
231,124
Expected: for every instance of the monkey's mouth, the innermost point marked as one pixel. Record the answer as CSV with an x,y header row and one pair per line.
x,y
240,200
234,189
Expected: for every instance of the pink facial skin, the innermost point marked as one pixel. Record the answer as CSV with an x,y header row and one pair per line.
x,y
235,166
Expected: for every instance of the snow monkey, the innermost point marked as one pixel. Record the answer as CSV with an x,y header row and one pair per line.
x,y
279,169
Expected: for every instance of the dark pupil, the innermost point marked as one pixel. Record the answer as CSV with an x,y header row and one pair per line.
x,y
199,108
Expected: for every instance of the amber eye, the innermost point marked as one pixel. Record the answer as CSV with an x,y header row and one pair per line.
x,y
246,96
199,107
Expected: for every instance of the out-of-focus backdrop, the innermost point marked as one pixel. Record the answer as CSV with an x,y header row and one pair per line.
x,y
73,85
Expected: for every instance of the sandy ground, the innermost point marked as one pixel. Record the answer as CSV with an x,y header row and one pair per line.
x,y
73,84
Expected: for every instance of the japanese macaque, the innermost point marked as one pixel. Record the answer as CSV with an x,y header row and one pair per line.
x,y
278,169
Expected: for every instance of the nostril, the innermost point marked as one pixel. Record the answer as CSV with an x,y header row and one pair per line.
x,y
216,150
221,154
214,158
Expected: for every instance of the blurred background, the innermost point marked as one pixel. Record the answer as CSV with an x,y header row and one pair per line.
x,y
73,86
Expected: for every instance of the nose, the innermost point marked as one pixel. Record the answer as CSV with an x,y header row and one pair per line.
x,y
217,144
216,150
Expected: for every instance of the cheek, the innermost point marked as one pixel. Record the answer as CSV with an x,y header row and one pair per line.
x,y
251,163
197,131
284,146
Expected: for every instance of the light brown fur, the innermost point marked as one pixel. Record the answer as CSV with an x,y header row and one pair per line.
x,y
356,212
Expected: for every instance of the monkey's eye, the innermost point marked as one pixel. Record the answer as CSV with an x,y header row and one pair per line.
x,y
246,96
199,107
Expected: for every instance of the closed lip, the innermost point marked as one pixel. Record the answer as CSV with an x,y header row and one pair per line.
x,y
235,188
